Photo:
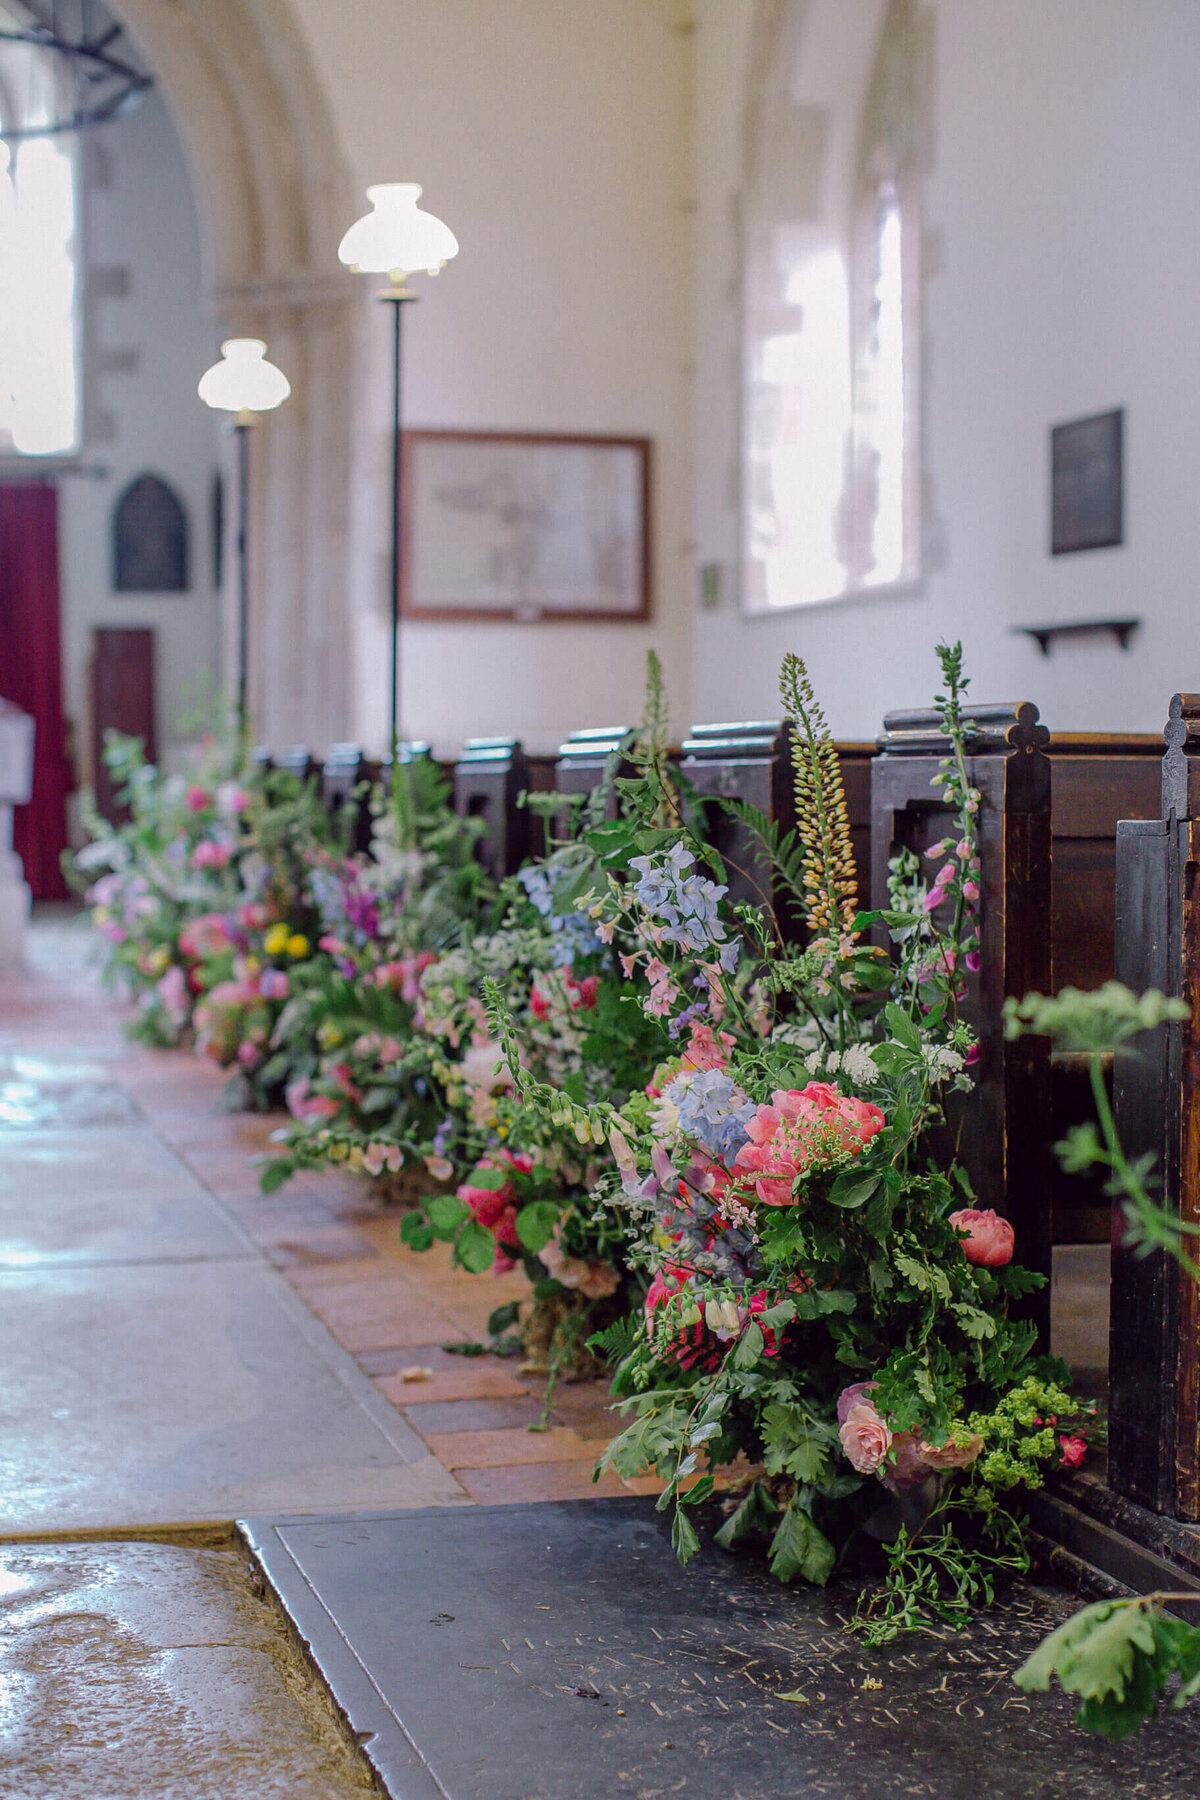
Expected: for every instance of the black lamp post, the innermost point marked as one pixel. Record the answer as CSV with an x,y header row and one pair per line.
x,y
245,384
393,239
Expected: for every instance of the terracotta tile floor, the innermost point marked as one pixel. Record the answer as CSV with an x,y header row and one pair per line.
x,y
338,1248
391,1308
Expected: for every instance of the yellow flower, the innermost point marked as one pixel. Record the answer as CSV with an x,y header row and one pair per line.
x,y
252,965
100,915
276,940
158,960
297,945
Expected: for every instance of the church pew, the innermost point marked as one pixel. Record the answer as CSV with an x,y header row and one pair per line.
x,y
489,779
1003,1126
1095,782
1154,1330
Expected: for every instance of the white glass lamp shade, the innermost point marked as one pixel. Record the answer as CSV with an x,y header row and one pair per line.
x,y
396,237
243,380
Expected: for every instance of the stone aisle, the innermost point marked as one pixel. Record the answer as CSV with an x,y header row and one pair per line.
x,y
180,1352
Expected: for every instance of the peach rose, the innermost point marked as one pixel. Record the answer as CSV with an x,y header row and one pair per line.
x,y
990,1240
866,1438
952,1455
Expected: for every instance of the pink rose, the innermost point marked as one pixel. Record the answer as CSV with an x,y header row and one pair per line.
x,y
1074,1449
866,1439
990,1240
198,799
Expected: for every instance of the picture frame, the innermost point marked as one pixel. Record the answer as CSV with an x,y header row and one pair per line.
x,y
1087,483
525,526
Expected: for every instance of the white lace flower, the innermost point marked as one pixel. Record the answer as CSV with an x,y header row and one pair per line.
x,y
859,1065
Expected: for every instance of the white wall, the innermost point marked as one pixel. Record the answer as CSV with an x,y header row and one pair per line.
x,y
139,216
1063,243
552,135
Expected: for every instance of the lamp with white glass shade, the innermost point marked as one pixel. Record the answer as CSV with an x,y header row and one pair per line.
x,y
396,238
245,384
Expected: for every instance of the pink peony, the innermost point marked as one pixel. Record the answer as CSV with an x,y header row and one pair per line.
x,y
205,936
866,1438
1074,1449
990,1239
209,855
800,1130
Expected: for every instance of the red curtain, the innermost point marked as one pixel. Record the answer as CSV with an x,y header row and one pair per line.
x,y
31,673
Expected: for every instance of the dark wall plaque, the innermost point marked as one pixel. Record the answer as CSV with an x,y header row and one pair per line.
x,y
150,548
1086,483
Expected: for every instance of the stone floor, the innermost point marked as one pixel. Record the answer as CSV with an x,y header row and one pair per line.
x,y
159,1671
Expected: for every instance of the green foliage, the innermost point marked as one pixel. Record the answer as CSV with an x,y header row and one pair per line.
x,y
1119,1656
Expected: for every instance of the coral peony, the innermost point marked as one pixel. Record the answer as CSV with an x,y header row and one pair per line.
x,y
989,1239
800,1130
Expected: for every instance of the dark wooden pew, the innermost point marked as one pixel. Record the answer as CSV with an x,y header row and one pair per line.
x,y
297,760
1003,1126
1154,1328
1095,781
489,779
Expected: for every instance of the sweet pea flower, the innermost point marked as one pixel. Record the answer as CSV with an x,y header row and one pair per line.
x,y
1074,1449
198,799
989,1240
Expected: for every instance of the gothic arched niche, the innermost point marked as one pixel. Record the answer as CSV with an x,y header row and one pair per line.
x,y
835,149
150,539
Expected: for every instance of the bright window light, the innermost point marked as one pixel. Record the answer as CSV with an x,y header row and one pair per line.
x,y
39,373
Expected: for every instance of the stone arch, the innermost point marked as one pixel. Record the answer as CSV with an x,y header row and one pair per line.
x,y
273,196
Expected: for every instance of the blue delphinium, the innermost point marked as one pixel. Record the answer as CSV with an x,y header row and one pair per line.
x,y
713,1110
686,904
574,933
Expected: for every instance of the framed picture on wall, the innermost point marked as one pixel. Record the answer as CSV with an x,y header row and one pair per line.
x,y
525,526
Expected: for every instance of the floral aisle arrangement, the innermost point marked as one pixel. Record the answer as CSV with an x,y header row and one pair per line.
x,y
155,881
826,1322
413,1080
